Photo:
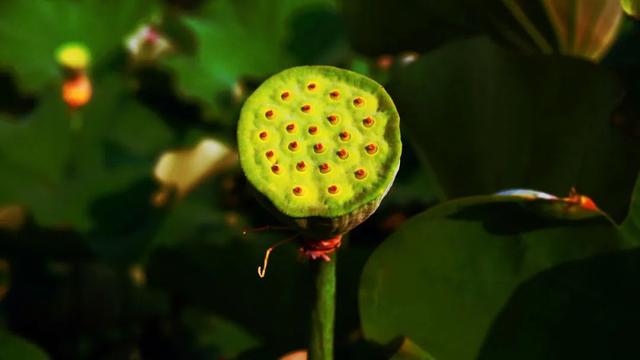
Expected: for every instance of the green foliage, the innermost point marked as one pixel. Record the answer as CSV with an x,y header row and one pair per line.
x,y
57,162
509,121
31,32
250,39
443,278
101,261
13,347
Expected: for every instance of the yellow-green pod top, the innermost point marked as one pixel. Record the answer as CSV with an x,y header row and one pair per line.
x,y
321,145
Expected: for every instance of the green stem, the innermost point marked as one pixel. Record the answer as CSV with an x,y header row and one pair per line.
x,y
323,312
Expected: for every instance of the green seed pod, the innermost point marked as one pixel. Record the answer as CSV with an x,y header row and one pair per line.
x,y
631,7
321,146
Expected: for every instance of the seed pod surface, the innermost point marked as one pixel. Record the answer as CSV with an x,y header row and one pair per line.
x,y
328,197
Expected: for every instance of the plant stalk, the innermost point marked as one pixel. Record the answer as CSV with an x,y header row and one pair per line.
x,y
323,312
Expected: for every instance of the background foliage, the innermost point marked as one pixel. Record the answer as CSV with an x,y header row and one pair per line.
x,y
121,231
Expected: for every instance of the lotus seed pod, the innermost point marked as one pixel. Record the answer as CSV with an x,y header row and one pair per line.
x,y
321,146
631,8
584,28
74,56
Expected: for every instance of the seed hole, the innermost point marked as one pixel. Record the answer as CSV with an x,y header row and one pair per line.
x,y
313,130
342,154
324,168
371,148
293,146
335,94
269,114
368,121
360,174
301,166
358,101
318,148
291,127
306,108
332,189
285,95
297,191
344,135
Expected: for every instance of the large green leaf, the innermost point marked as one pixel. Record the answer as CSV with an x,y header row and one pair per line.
x,y
30,33
57,162
13,347
485,119
253,39
445,276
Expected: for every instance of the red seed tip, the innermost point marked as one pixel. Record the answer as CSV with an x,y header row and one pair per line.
x,y
291,127
263,135
334,94
318,148
332,119
358,101
269,114
332,189
306,108
313,130
311,86
269,154
301,165
284,95
324,168
293,145
368,121
342,154
360,174
371,148
297,190
344,135
275,169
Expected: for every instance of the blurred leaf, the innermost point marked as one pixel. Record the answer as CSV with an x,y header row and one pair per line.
x,y
252,39
444,276
217,336
377,27
57,171
485,120
31,32
222,278
631,7
13,347
631,225
410,351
